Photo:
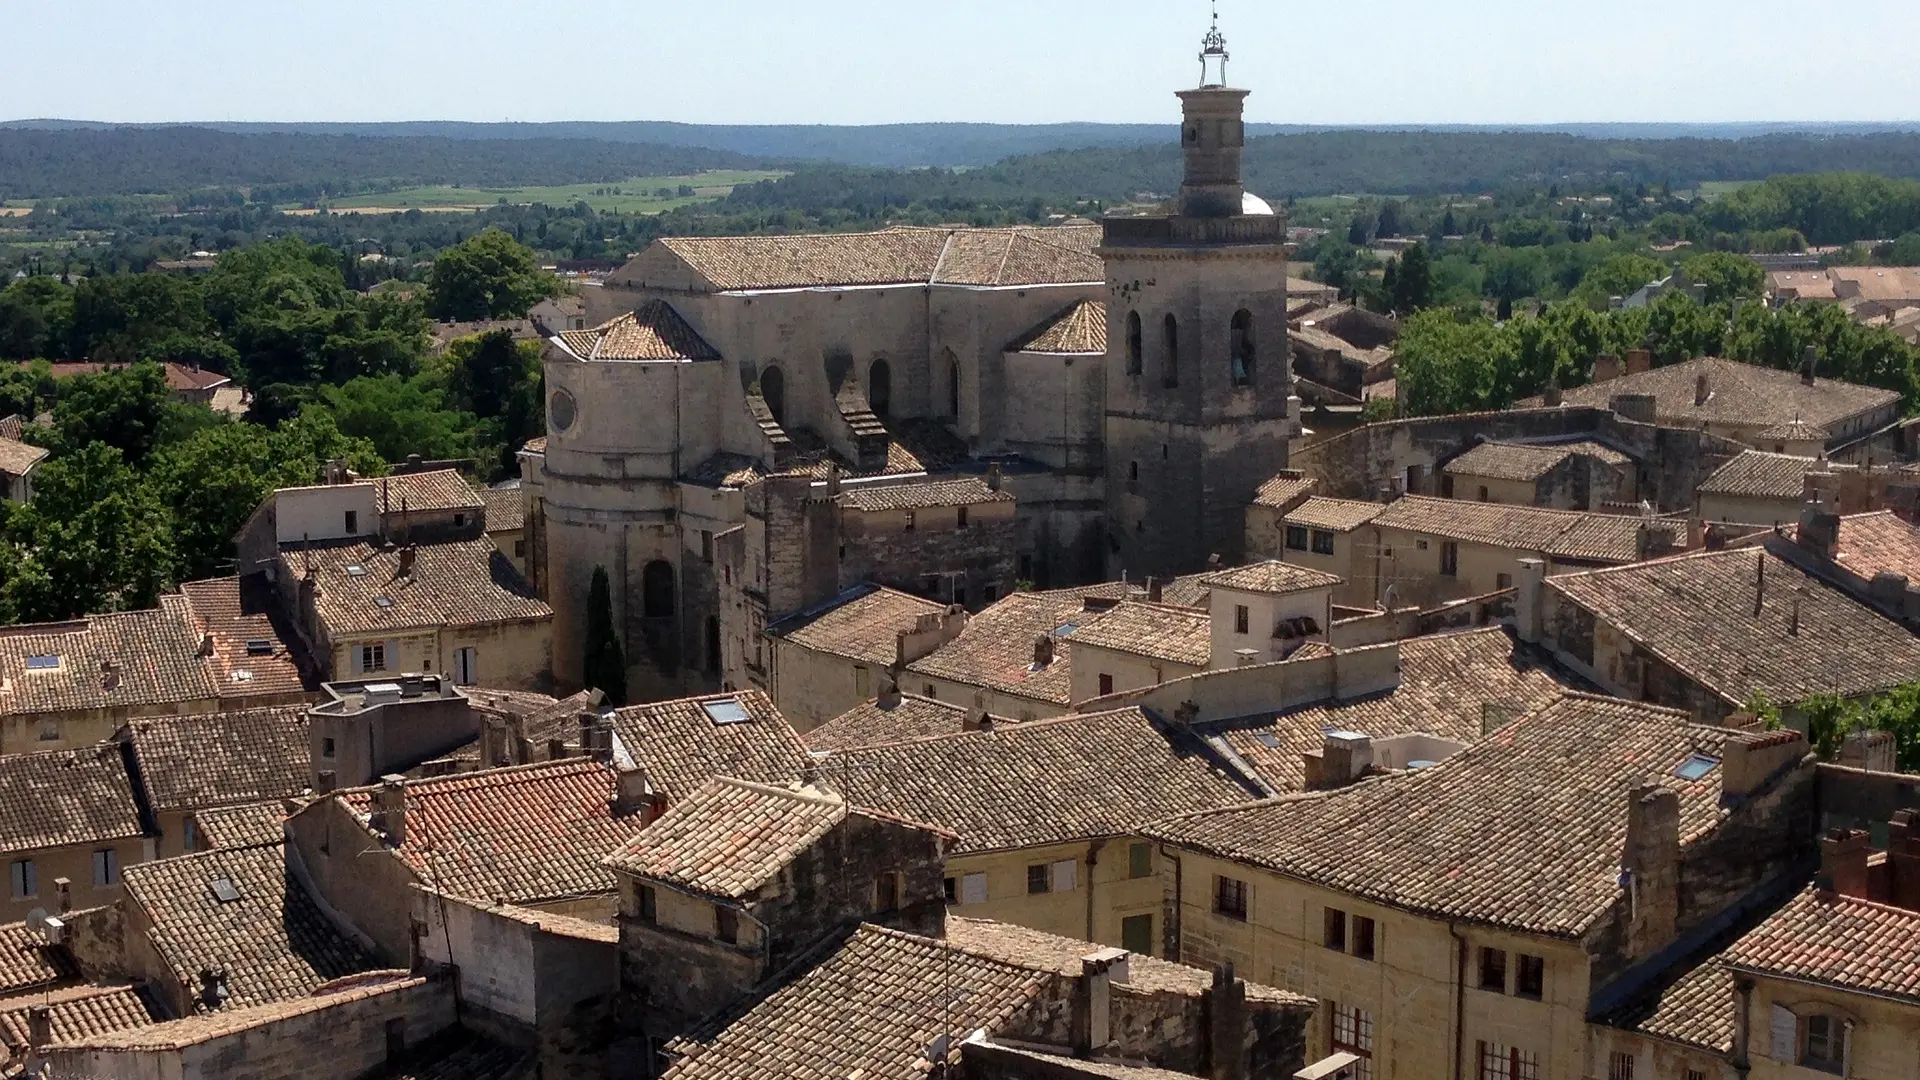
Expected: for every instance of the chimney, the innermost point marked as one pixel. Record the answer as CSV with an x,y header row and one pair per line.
x,y
993,477
213,987
1226,1026
1750,760
977,714
1246,657
63,889
630,794
1529,600
1873,751
1090,1026
1343,758
1042,650
407,556
325,782
889,697
557,750
1819,530
602,741
1809,363
39,1027
1650,868
390,809
1156,589
415,463
1702,390
1606,367
1639,361
206,645
1554,397
1843,863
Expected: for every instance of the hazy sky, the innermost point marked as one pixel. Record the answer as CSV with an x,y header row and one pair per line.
x,y
1013,61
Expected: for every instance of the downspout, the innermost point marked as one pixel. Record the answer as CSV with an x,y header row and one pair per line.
x,y
1093,862
1171,933
1459,998
1743,1027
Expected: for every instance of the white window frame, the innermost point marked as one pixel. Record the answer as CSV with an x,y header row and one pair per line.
x,y
365,655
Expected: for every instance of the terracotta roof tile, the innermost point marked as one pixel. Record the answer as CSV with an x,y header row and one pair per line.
x,y
16,457
1760,475
154,654
1340,515
457,583
238,1017
1273,577
1523,830
1569,534
922,496
1879,543
535,445
1055,781
1282,491
213,759
1796,430
179,376
526,834
1526,461
273,941
1696,612
57,798
1159,631
86,1012
506,509
861,624
1040,951
1080,330
1451,686
682,745
1838,941
1696,1009
249,641
252,825
873,724
729,838
654,332
459,1054
432,490
900,256
996,648
869,1008
725,470
1740,394
27,963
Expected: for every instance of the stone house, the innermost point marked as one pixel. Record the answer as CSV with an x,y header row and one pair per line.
x,y
1277,496
71,822
254,638
506,525
1061,856
1434,550
18,461
828,659
189,764
895,717
1705,632
63,981
1267,611
1330,536
1009,660
892,535
1136,643
1580,475
1465,915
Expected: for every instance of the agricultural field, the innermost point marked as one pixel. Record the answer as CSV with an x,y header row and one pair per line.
x,y
640,194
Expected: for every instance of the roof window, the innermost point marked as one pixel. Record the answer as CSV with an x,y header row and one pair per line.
x,y
1065,629
726,711
383,601
356,570
1268,740
260,647
1695,767
225,891
50,662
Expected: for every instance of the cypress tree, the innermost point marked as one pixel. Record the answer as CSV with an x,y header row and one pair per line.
x,y
604,667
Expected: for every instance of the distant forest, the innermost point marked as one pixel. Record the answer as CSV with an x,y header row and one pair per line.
x,y
37,163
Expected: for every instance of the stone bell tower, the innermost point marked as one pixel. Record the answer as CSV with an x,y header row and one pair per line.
x,y
1199,405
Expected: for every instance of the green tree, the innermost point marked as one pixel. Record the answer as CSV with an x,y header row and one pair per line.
x,y
36,319
1620,274
1445,362
1727,276
93,539
604,666
1413,289
399,417
119,407
498,380
489,276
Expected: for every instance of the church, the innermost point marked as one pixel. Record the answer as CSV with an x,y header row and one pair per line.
x,y
1122,387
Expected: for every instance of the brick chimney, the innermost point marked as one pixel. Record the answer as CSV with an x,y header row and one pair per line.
x,y
407,556
1702,390
1809,364
1606,367
1639,361
1843,862
1343,758
390,809
1819,530
1042,650
1650,868
630,792
1225,1006
1554,397
1903,860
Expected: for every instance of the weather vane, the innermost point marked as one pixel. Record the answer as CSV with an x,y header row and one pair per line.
x,y
1213,53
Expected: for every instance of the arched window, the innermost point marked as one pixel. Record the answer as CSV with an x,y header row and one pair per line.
x,y
713,645
953,386
1134,346
773,387
1241,347
880,388
656,590
1170,333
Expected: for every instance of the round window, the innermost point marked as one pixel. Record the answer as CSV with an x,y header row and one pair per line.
x,y
561,409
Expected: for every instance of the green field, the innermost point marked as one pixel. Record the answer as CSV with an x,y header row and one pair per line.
x,y
636,195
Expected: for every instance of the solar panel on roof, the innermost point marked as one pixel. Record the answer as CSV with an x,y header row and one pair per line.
x,y
727,711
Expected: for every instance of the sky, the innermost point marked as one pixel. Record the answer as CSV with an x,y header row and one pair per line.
x,y
999,61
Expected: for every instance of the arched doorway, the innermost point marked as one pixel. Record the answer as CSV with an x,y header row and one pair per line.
x,y
773,388
656,590
880,388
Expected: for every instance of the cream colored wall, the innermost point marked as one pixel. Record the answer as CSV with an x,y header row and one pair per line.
x,y
1653,1059
1115,894
1467,486
512,656
505,541
1128,670
1479,565
76,865
1348,561
1264,612
1749,511
1884,1044
1408,990
696,917
412,652
811,687
1007,706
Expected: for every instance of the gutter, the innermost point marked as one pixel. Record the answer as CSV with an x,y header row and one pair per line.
x,y
1459,999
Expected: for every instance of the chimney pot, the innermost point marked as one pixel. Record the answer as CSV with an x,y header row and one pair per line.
x,y
390,804
325,782
1639,361
630,792
1606,367
39,1026
63,889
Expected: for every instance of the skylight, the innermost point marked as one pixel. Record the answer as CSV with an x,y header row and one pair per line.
x,y
225,891
1695,767
383,601
726,711
1065,629
259,647
44,663
1268,740
356,570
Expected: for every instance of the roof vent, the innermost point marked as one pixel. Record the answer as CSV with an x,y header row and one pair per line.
x,y
726,711
225,891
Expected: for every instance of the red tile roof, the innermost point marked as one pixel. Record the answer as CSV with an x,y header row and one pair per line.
x,y
58,798
862,624
83,1012
223,758
457,583
730,837
1837,941
873,724
682,745
1081,330
154,659
654,332
241,615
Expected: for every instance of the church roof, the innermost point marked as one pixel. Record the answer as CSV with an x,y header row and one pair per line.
x,y
654,332
1080,330
1021,255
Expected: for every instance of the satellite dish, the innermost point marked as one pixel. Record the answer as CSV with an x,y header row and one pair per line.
x,y
36,918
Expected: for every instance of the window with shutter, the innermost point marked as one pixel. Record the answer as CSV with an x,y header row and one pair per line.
x,y
973,889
